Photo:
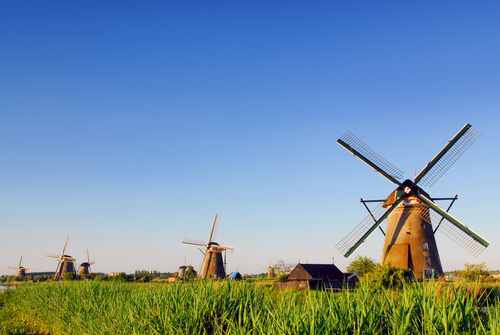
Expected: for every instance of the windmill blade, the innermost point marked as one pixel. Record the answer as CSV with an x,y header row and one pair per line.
x,y
53,256
354,145
64,248
447,156
20,261
452,228
88,256
358,235
56,274
193,242
13,268
213,231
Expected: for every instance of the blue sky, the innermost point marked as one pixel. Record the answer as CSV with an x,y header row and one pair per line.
x,y
128,125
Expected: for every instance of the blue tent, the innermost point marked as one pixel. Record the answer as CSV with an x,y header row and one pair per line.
x,y
236,276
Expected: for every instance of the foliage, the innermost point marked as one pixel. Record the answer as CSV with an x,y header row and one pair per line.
x,y
362,265
69,276
475,272
389,277
123,277
227,307
101,278
190,272
284,268
281,276
146,276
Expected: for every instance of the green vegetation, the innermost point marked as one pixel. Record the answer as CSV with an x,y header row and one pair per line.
x,y
362,265
226,307
475,272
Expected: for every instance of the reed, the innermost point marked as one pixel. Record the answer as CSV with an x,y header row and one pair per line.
x,y
245,308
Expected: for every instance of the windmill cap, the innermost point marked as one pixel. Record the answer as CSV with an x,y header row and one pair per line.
x,y
391,199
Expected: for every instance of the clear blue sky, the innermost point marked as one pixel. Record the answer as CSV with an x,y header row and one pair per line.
x,y
127,125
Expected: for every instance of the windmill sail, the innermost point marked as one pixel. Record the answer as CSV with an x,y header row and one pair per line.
x,y
453,228
363,230
353,144
447,156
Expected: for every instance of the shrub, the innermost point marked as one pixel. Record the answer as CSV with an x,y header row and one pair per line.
x,y
389,277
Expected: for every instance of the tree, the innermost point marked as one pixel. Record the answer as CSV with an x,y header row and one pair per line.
x,y
474,272
190,272
362,265
122,277
283,268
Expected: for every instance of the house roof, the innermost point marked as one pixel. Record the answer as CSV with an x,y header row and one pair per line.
x,y
316,271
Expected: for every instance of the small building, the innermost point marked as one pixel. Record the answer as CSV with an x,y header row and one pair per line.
x,y
318,277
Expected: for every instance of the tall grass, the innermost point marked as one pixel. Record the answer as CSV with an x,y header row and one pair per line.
x,y
246,308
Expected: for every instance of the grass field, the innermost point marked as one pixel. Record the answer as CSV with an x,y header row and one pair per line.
x,y
245,308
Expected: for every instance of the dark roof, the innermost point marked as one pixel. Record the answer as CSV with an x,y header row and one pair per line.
x,y
316,271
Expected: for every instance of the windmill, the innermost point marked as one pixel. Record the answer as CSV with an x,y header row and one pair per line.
x,y
66,263
21,270
213,264
271,270
85,266
412,215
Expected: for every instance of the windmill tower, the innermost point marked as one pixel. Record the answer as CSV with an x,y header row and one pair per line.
x,y
21,270
65,265
271,270
85,266
213,264
412,215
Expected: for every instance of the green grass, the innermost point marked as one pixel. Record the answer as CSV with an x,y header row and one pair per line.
x,y
245,308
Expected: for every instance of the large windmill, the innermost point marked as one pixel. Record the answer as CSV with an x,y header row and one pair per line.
x,y
85,266
213,264
412,215
21,270
66,263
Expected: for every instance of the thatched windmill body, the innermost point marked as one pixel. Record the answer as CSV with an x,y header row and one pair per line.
x,y
85,266
21,270
412,215
65,265
213,263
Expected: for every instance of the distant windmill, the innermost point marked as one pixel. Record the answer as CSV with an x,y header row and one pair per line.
x,y
85,266
213,264
21,270
271,270
66,263
412,215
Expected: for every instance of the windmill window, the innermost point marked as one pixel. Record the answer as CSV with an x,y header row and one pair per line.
x,y
422,226
424,246
427,261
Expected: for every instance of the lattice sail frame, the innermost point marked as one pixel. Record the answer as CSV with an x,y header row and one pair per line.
x,y
350,240
354,142
450,156
451,231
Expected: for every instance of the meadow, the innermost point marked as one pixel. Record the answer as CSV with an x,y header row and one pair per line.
x,y
227,307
